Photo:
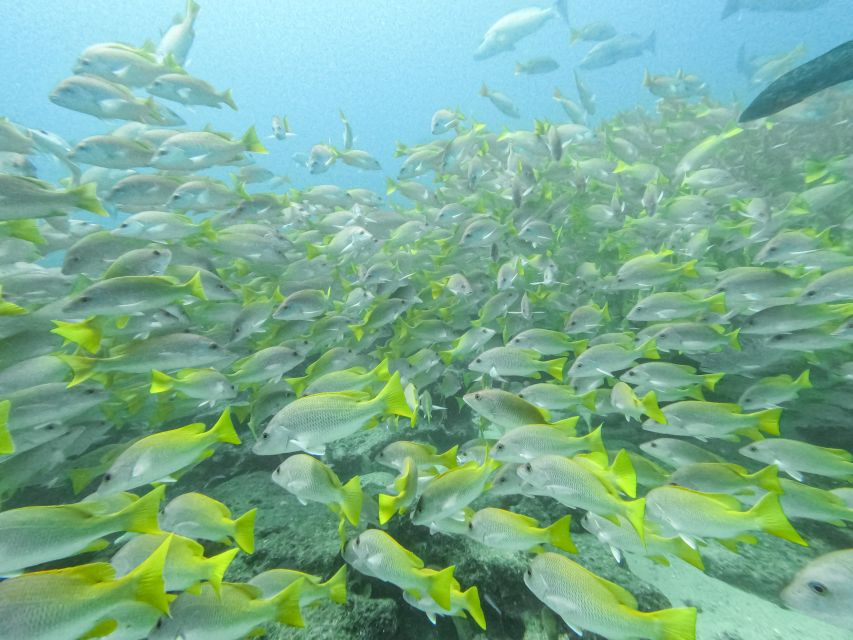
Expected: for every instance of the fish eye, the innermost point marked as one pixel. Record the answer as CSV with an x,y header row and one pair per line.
x,y
528,573
108,477
277,470
159,623
632,373
356,541
89,392
84,299
817,587
653,445
123,225
499,447
470,526
156,252
476,396
528,467
578,364
809,294
265,435
478,360
771,249
213,346
753,448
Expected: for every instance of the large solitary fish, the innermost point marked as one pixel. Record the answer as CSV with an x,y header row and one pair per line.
x,y
508,30
833,67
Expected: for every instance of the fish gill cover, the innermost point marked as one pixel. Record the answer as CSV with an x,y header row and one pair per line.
x,y
580,377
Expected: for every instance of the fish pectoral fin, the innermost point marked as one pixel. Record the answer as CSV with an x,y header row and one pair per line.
x,y
143,464
96,545
101,629
796,475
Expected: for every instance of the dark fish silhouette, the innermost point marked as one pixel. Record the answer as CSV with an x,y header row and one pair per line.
x,y
825,71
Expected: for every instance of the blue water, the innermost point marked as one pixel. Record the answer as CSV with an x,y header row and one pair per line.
x,y
388,64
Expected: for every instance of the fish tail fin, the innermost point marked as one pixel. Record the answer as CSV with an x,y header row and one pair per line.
x,y
519,69
440,584
357,331
770,517
767,478
651,407
298,384
562,9
336,586
674,624
387,507
768,420
194,286
689,269
82,478
6,444
717,303
86,198
224,429
244,531
555,367
484,90
623,473
286,604
218,566
146,580
85,333
82,367
140,516
734,343
560,536
472,606
393,398
193,8
802,381
634,511
574,35
381,372
594,441
649,349
161,382
651,42
448,458
446,356
228,99
251,142
351,498
681,549
710,380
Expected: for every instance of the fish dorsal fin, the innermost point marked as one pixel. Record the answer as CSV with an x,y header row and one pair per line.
x,y
722,499
621,594
94,573
248,590
191,429
841,453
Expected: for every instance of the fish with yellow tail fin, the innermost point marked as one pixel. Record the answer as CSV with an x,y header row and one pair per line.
x,y
375,553
310,422
693,516
425,456
460,602
446,495
34,535
160,456
575,484
587,602
240,609
6,444
534,440
500,529
312,481
196,515
186,567
313,589
79,601
406,486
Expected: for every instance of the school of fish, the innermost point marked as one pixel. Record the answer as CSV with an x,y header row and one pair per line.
x,y
632,323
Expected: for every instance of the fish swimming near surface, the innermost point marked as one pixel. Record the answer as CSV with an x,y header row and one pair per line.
x,y
827,70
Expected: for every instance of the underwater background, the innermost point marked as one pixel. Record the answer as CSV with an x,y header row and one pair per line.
x,y
390,337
